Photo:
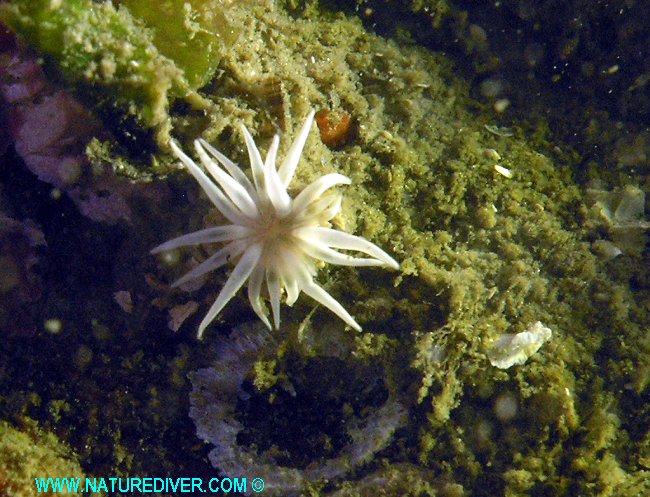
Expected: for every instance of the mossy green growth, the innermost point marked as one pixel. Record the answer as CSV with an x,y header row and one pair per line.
x,y
31,453
110,57
481,255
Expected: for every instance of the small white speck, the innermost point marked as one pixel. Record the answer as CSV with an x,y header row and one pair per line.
x,y
501,105
54,326
505,407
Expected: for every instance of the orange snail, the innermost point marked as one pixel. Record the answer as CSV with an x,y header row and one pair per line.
x,y
338,133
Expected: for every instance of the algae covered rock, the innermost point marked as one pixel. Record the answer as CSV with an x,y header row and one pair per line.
x,y
111,58
29,454
483,254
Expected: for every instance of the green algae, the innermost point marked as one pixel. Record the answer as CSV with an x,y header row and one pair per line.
x,y
196,43
481,255
33,453
112,58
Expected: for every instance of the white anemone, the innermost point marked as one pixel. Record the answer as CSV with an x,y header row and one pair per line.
x,y
274,238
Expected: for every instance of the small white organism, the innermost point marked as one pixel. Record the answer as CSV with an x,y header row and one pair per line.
x,y
515,348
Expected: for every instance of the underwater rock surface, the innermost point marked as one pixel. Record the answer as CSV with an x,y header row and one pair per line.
x,y
482,254
20,284
53,134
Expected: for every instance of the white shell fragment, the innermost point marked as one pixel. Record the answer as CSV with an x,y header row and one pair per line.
x,y
622,213
631,208
499,131
503,171
515,349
